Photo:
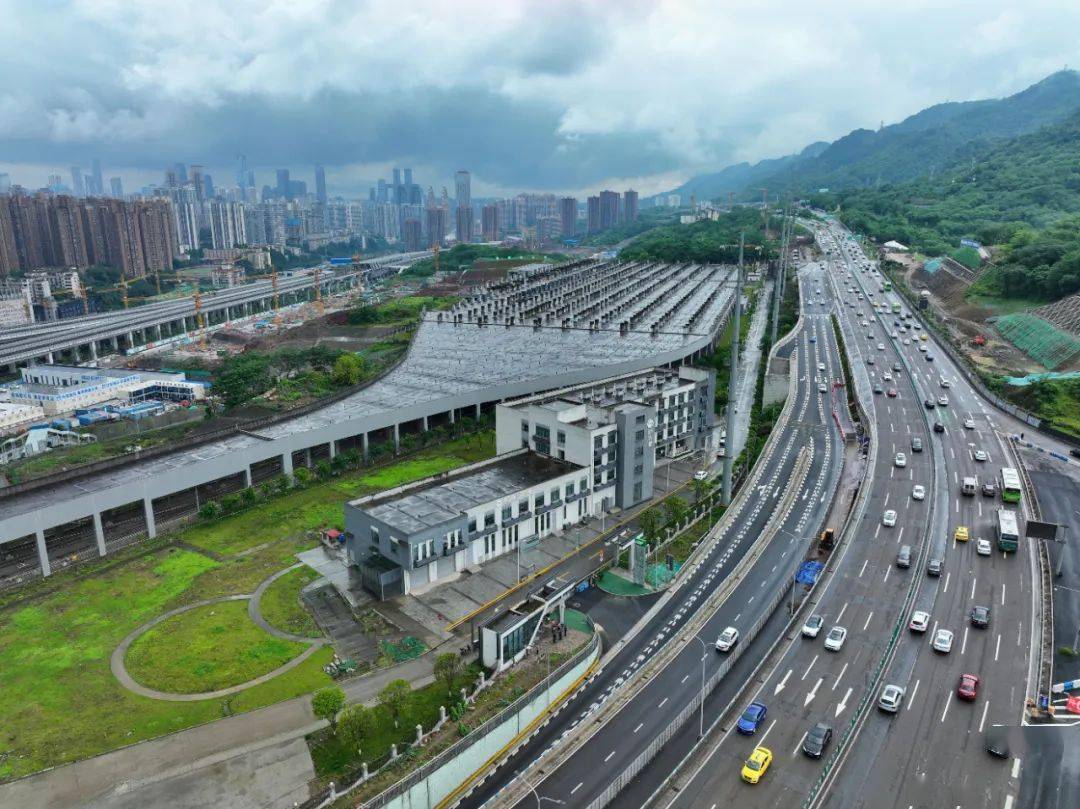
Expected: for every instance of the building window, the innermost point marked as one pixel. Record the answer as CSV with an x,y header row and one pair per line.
x,y
640,435
598,441
640,419
560,436
538,502
569,492
561,455
523,506
506,513
597,479
638,452
639,469
543,432
374,537
555,496
613,437
637,491
583,484
489,519
524,426
472,525
423,551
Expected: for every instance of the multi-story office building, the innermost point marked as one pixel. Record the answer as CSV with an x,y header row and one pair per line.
x,y
435,528
98,182
227,225
436,226
116,187
412,235
618,429
462,189
630,206
568,217
593,205
609,209
78,187
320,184
465,224
490,230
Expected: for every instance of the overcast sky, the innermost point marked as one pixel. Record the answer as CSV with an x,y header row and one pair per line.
x,y
561,96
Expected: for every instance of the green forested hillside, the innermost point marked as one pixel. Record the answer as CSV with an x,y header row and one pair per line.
x,y
707,241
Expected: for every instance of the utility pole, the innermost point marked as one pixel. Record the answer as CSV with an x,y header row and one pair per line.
x,y
779,283
729,439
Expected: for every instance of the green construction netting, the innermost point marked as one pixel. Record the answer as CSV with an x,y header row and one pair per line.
x,y
1040,340
408,648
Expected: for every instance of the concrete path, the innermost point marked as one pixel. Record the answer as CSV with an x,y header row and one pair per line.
x,y
256,616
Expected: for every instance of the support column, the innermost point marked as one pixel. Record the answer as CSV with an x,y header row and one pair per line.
x,y
397,438
93,350
364,445
99,534
247,477
131,339
452,415
478,411
49,358
115,344
157,329
148,510
729,439
286,463
43,554
333,449
425,424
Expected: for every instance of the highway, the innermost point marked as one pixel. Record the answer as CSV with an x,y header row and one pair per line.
x,y
596,769
930,754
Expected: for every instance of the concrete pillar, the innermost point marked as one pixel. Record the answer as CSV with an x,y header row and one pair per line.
x,y
115,344
93,350
307,457
157,330
397,437
286,463
131,339
99,533
43,554
478,411
333,449
247,477
425,424
419,734
148,510
452,419
364,445
49,358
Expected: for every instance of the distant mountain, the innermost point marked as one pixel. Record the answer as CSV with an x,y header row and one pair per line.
x,y
921,144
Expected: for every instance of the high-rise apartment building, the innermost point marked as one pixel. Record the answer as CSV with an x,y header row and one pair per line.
x,y
78,187
227,225
283,182
9,255
462,188
609,209
320,184
465,224
593,205
95,174
116,187
436,226
241,170
197,181
568,216
412,235
630,206
490,229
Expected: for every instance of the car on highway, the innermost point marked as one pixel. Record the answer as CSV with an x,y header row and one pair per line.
x,y
886,377
916,444
983,548
920,621
817,740
922,347
943,400
752,718
968,687
979,616
812,626
821,366
942,642
961,534
755,767
834,641
929,404
996,741
934,568
929,357
918,492
701,474
891,393
900,460
888,519
813,339
980,455
727,640
869,360
944,382
896,367
969,423
892,697
907,342
877,389
880,346
989,489
939,427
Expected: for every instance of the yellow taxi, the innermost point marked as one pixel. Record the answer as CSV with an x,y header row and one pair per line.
x,y
923,337
961,534
757,765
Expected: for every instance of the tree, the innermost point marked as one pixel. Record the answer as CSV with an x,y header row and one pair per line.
x,y
701,488
302,475
650,521
394,697
676,510
447,670
326,702
348,370
355,723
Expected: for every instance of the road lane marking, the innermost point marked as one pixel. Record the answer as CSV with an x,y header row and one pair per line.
x,y
1008,801
638,727
766,733
661,705
1003,594
684,679
1019,631
841,615
900,534
863,568
945,589
839,676
914,691
982,722
843,704
798,744
997,647
868,617
975,579
948,702
812,662
888,570
608,757
963,643
1016,768
575,789
780,685
813,693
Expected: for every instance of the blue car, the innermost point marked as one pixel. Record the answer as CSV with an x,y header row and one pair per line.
x,y
753,716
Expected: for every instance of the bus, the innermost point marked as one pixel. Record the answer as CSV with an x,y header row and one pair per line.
x,y
1008,532
896,308
888,286
1010,485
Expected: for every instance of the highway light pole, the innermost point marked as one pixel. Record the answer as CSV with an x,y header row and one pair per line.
x,y
729,439
704,654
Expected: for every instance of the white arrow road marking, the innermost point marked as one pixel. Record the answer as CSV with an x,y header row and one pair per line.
x,y
780,685
843,703
813,692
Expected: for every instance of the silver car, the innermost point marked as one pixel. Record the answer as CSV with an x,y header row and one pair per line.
x,y
892,697
943,639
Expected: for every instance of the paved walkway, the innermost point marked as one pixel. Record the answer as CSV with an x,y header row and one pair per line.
x,y
256,615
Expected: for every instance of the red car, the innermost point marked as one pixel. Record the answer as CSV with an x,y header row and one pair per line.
x,y
891,393
969,687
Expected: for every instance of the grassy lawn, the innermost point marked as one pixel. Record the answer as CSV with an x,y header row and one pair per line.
x,y
207,648
320,504
1002,306
280,604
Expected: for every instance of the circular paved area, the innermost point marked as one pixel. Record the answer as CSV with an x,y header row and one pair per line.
x,y
119,670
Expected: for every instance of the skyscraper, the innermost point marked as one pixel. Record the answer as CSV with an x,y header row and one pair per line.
x,y
436,226
116,187
464,224
568,216
594,214
399,189
197,181
491,232
282,187
78,188
99,183
630,206
412,235
241,170
462,188
320,184
609,209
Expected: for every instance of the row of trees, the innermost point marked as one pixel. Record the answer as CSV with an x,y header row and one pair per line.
x,y
707,241
245,376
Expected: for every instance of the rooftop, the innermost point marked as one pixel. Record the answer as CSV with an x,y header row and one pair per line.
x,y
438,499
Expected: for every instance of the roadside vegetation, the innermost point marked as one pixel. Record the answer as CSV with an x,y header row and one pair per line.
x,y
463,257
648,219
706,241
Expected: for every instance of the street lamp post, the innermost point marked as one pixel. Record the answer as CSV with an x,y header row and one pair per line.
x,y
704,654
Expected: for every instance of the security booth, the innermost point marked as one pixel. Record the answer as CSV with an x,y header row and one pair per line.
x,y
506,639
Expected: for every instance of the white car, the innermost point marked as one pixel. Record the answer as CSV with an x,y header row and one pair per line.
x,y
888,519
834,641
943,639
980,455
944,382
701,474
727,640
920,621
900,460
982,547
943,400
907,342
886,377
880,346
969,423
922,347
812,626
918,493
821,366
821,388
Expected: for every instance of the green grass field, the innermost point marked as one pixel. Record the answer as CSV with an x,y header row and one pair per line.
x,y
280,604
210,647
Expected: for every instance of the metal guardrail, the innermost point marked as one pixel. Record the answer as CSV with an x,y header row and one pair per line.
x,y
1045,670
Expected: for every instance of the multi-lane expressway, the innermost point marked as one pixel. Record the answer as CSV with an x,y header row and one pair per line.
x,y
931,753
670,689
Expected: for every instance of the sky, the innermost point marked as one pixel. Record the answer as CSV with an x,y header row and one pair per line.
x,y
546,96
